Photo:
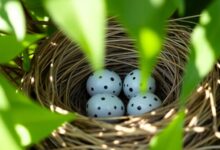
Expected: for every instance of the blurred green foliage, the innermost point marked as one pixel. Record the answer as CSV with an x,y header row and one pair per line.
x,y
23,121
10,47
160,142
147,28
12,13
84,22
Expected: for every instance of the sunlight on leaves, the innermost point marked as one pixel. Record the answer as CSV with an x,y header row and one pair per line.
x,y
14,9
4,105
210,22
150,50
150,45
204,49
171,137
7,138
4,22
84,22
4,26
28,118
23,133
203,52
205,18
157,3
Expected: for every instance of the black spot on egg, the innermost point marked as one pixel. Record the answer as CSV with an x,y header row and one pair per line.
x,y
155,99
99,108
130,89
131,73
132,105
92,89
114,92
134,78
139,108
103,98
100,77
150,105
119,83
144,97
109,113
150,88
115,107
112,79
105,87
122,107
95,115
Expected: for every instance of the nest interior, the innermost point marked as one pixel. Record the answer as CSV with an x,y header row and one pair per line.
x,y
58,80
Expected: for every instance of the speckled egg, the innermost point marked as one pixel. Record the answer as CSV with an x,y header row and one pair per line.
x,y
104,81
142,103
104,105
132,81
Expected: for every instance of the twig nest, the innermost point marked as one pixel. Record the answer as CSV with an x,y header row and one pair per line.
x,y
132,83
60,72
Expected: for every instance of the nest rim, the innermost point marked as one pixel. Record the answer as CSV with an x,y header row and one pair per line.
x,y
57,51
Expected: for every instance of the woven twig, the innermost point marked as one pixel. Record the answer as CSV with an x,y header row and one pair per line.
x,y
59,73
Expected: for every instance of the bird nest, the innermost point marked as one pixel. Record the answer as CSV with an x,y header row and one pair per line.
x,y
58,81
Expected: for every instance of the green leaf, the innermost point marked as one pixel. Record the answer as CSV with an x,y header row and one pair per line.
x,y
10,47
145,21
16,17
26,61
210,23
4,26
36,8
204,49
171,137
8,138
84,22
181,7
31,122
4,23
